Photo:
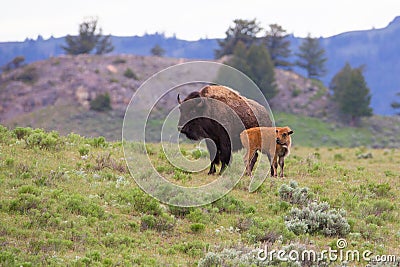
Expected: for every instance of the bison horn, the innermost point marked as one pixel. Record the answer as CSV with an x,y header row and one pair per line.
x,y
179,100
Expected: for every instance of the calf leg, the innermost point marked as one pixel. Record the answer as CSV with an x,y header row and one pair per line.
x,y
253,161
274,167
270,163
248,159
281,164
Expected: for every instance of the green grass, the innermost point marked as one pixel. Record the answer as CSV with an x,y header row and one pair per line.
x,y
67,119
63,205
314,132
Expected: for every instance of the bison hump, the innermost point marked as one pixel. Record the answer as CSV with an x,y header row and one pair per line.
x,y
222,93
244,108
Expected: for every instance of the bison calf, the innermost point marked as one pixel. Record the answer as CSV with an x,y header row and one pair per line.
x,y
273,141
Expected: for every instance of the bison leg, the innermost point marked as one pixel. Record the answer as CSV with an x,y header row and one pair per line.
x,y
226,152
212,168
214,162
223,167
225,159
214,156
281,164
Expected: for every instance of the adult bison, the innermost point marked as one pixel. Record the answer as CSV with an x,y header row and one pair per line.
x,y
213,113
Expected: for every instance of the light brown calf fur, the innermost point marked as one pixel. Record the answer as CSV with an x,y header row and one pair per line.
x,y
273,141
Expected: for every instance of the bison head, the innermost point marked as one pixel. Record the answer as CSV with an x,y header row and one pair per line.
x,y
191,121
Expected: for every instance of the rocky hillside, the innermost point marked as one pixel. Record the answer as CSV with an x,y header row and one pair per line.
x,y
301,96
56,93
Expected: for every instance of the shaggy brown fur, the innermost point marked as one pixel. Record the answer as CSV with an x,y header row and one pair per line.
x,y
273,141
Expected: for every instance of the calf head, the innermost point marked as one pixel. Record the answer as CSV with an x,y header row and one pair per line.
x,y
283,135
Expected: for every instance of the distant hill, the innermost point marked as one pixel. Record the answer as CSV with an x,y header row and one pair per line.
x,y
39,49
55,94
377,49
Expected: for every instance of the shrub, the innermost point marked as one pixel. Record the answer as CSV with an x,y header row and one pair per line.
x,y
130,74
276,207
317,218
106,161
9,162
181,175
193,249
79,205
294,194
162,222
83,151
119,61
5,135
24,203
147,222
140,201
197,227
196,215
74,138
229,204
338,157
41,139
380,208
101,103
380,190
181,211
296,92
97,141
7,258
198,153
257,229
28,75
211,259
22,132
241,256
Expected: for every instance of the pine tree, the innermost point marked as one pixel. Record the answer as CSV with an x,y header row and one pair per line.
x,y
278,46
351,93
104,45
88,39
244,30
255,63
239,59
311,57
157,50
262,70
395,104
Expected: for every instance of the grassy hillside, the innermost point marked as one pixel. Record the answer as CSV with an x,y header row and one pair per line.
x,y
67,119
71,201
377,131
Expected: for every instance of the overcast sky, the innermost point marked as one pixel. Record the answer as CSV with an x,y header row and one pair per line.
x,y
189,19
